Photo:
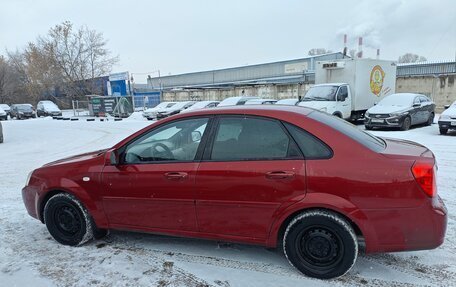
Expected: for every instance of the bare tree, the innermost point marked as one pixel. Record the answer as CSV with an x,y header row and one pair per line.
x,y
411,58
318,51
64,61
11,82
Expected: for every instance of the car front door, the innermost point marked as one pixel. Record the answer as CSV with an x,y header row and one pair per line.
x,y
343,102
153,184
250,168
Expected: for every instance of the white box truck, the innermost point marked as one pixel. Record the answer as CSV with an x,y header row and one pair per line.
x,y
347,88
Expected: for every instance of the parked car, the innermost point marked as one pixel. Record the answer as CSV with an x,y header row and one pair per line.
x,y
260,102
22,111
47,108
289,102
6,108
447,120
235,101
174,109
201,105
270,175
3,115
151,114
401,110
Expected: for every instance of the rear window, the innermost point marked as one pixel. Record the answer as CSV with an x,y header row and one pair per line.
x,y
366,139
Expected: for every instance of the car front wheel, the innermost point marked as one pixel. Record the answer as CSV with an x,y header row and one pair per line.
x,y
320,244
406,124
443,131
67,220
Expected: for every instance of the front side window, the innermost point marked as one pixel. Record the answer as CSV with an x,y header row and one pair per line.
x,y
342,94
244,138
176,141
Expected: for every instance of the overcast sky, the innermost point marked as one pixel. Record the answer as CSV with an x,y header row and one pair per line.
x,y
187,36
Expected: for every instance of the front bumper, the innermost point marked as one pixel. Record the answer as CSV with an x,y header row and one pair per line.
x,y
30,198
449,124
384,122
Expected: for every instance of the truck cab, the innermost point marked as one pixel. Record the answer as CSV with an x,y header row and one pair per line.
x,y
347,88
332,98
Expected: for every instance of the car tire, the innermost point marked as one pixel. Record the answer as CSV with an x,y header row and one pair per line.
x,y
443,131
67,220
320,244
406,124
430,120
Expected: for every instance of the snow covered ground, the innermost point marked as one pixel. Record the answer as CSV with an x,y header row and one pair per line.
x,y
30,257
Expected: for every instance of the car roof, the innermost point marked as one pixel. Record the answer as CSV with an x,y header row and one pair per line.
x,y
251,110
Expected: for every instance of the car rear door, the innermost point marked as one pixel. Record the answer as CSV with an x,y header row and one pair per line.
x,y
251,167
153,186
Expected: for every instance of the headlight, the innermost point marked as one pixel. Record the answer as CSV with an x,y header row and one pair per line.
x,y
366,114
28,178
444,117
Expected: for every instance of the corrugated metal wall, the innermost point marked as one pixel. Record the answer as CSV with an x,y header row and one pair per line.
x,y
427,68
254,72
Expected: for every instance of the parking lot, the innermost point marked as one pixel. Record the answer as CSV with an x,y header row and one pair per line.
x,y
31,256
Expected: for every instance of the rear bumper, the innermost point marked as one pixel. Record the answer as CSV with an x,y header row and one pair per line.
x,y
30,198
408,229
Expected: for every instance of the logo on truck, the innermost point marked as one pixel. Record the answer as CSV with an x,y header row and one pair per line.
x,y
376,80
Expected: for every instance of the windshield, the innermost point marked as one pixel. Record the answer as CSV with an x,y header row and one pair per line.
x,y
24,108
321,93
397,100
162,105
199,105
180,105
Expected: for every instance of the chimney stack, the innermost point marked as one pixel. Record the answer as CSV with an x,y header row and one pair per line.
x,y
345,45
360,47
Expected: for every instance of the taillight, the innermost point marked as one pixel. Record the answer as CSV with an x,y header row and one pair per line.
x,y
424,174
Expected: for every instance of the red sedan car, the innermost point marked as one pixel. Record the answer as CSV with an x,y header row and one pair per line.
x,y
275,176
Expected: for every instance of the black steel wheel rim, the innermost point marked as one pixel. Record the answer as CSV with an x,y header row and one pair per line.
x,y
67,219
319,248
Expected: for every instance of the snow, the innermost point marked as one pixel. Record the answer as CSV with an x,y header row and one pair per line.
x,y
30,257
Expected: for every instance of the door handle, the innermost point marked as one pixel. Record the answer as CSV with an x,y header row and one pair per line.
x,y
279,174
176,175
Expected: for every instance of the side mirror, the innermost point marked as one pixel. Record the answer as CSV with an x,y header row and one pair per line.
x,y
446,106
112,157
342,97
416,105
196,136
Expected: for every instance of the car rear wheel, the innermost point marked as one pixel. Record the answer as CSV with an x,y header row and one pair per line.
x,y
67,220
320,244
430,120
443,131
406,124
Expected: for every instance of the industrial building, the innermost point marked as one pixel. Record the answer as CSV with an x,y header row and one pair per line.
x,y
292,78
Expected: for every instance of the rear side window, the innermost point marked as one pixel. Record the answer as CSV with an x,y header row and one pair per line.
x,y
311,147
366,139
245,138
